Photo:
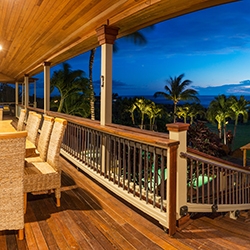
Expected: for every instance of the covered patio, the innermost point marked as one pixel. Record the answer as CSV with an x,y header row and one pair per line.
x,y
42,34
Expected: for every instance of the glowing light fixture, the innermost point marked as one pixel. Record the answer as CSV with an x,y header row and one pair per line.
x,y
1,47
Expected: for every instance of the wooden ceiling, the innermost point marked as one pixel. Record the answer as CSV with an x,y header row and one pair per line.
x,y
35,31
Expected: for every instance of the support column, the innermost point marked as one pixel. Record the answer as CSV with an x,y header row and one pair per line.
x,y
22,94
16,99
106,37
178,132
26,84
35,104
46,86
106,84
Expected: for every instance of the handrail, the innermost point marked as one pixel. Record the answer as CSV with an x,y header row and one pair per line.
x,y
7,103
136,164
197,155
140,135
215,184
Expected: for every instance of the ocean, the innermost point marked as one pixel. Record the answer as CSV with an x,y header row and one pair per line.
x,y
204,99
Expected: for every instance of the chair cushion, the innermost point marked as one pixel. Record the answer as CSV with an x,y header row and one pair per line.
x,y
38,168
33,159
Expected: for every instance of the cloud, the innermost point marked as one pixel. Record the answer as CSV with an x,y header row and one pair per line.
x,y
237,89
117,86
219,30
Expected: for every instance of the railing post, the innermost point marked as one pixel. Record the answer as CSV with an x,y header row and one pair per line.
x,y
26,83
106,37
46,69
178,132
171,189
16,99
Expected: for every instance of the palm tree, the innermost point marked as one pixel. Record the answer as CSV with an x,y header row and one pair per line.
x,y
76,104
152,112
183,111
143,105
239,107
176,90
219,110
67,82
91,87
195,110
131,110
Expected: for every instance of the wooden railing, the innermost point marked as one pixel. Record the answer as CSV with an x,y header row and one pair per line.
x,y
143,168
215,184
133,163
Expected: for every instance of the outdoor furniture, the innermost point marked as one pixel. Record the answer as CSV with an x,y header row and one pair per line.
x,y
43,141
6,127
6,109
20,124
46,175
32,126
11,181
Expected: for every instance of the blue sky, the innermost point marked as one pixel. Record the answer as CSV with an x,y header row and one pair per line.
x,y
211,47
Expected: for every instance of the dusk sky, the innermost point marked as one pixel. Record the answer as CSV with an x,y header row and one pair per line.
x,y
211,47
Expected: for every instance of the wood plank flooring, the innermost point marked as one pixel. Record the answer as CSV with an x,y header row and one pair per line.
x,y
90,217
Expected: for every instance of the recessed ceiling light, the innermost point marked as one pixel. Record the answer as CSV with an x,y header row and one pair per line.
x,y
1,47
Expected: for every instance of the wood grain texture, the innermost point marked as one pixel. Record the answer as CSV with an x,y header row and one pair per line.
x,y
35,31
91,217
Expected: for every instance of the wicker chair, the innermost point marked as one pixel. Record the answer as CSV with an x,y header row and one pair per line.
x,y
43,141
46,175
11,181
32,126
20,124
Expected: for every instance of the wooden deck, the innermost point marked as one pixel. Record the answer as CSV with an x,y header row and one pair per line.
x,y
92,218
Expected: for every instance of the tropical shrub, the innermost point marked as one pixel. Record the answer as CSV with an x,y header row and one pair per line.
x,y
201,138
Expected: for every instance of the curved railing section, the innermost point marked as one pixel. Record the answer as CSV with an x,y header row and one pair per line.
x,y
215,184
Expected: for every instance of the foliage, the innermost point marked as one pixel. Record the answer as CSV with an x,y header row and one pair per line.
x,y
91,87
119,111
7,93
201,138
239,107
176,90
126,113
223,109
75,104
144,107
153,111
71,84
190,111
219,111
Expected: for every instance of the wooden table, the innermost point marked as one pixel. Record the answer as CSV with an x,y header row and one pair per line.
x,y
244,149
6,127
